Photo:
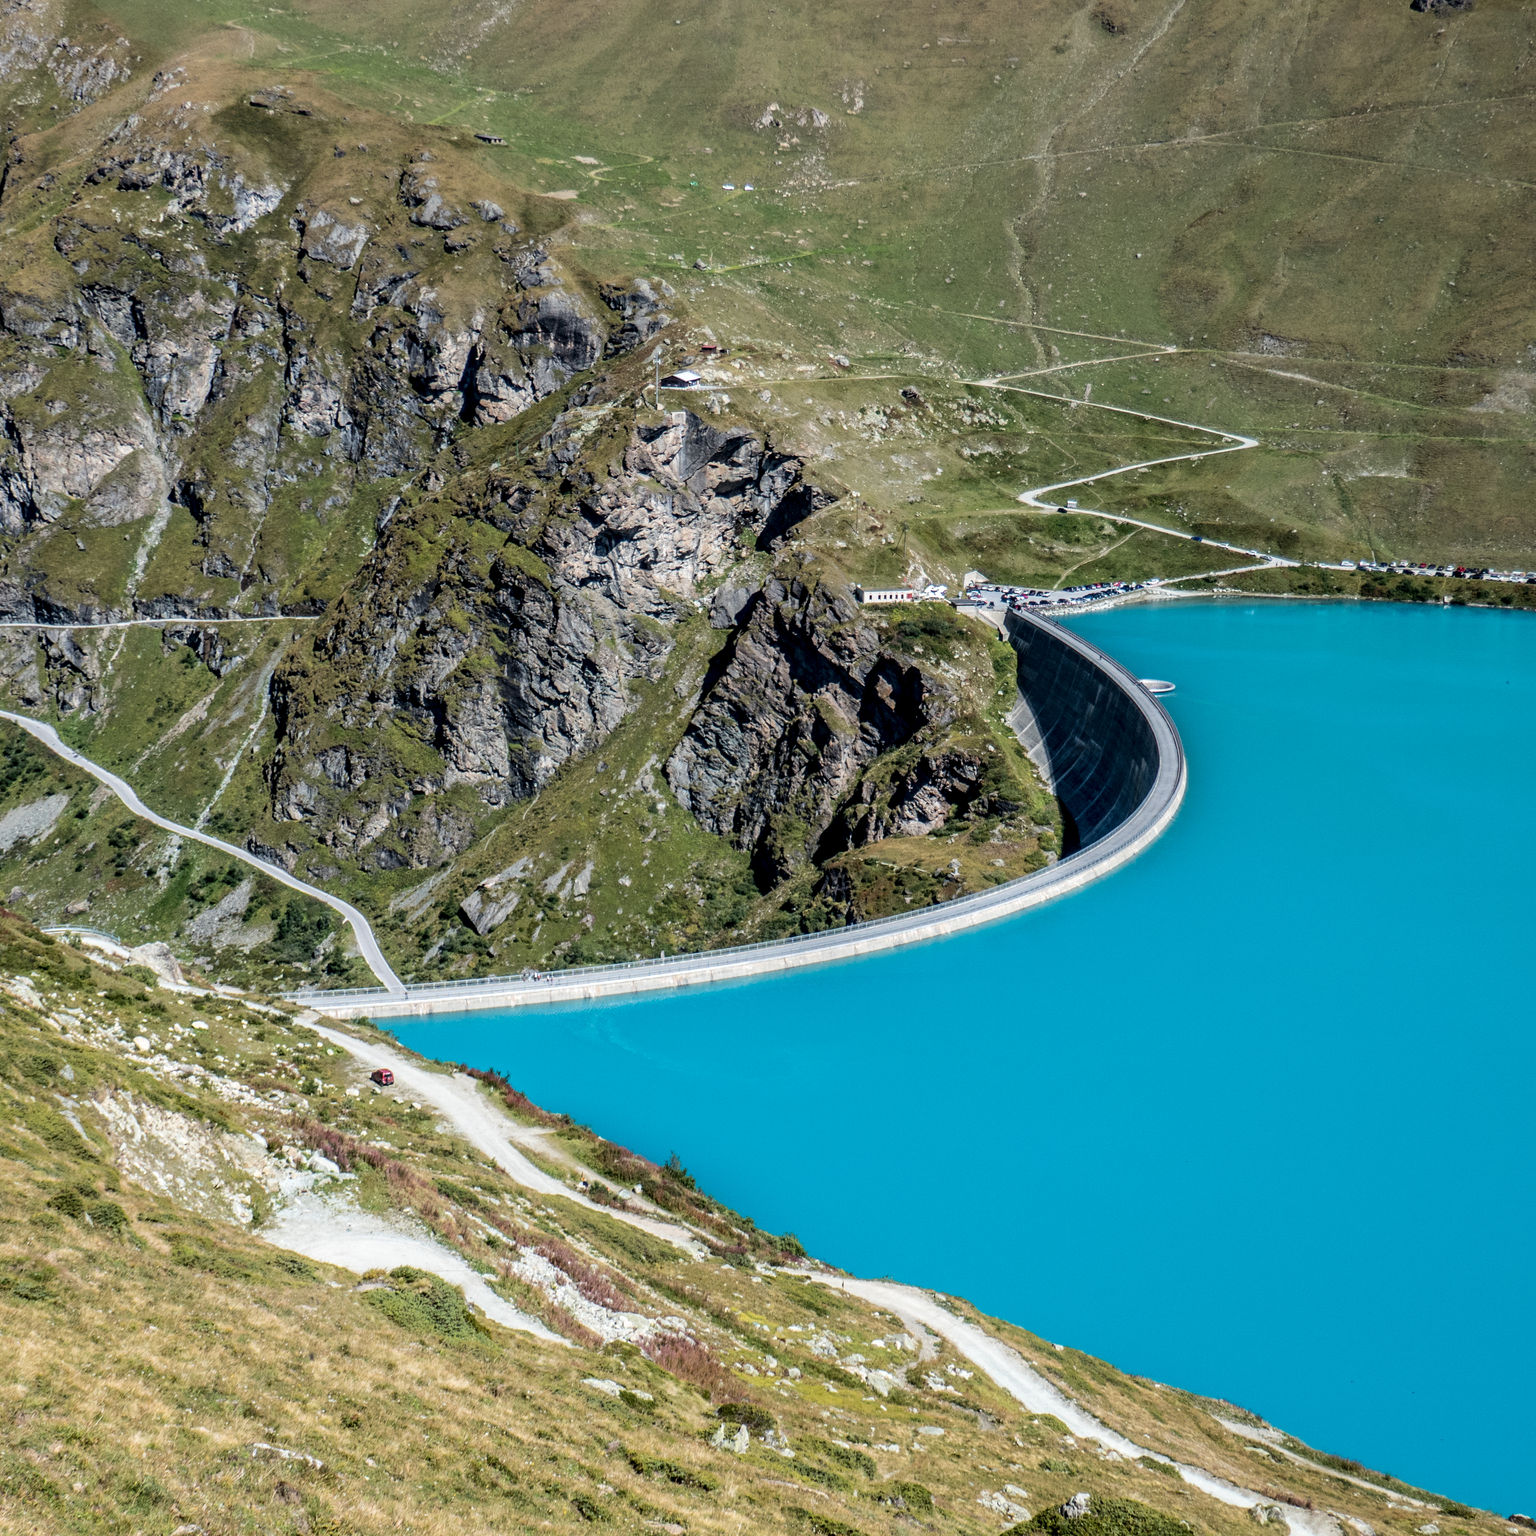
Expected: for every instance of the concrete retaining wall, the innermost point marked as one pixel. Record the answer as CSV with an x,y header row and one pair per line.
x,y
1103,743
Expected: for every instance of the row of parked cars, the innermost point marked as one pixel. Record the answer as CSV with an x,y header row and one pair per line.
x,y
992,594
1418,568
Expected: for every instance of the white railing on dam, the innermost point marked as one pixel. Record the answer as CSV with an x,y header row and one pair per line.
x,y
1105,744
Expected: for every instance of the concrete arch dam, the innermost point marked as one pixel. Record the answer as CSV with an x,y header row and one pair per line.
x,y
1083,722
1104,745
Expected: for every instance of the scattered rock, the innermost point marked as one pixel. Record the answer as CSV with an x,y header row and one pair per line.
x,y
726,606
1075,1507
262,1451
27,823
731,1437
158,958
484,912
1001,1504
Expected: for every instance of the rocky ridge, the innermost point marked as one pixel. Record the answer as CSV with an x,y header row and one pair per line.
x,y
231,317
521,646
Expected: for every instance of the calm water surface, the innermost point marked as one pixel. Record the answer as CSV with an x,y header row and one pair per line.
x,y
1252,1116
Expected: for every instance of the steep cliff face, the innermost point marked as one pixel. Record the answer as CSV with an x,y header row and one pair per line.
x,y
266,353
538,609
808,696
229,316
847,751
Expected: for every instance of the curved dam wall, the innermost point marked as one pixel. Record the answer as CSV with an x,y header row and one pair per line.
x,y
1103,743
1083,727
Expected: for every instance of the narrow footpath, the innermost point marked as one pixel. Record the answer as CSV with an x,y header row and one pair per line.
x,y
461,1101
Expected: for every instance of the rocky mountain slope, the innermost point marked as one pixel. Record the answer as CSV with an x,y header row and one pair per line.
x,y
349,323
177,1362
276,356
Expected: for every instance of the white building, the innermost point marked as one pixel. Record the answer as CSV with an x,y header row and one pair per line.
x,y
871,595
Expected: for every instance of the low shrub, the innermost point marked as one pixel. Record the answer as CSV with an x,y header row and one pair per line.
x,y
208,1259
671,1471
27,1279
109,1216
846,1456
822,1476
68,1202
1107,1517
835,1373
423,1303
588,1507
914,1497
55,1132
756,1418
825,1525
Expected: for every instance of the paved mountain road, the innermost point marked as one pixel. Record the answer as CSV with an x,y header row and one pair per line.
x,y
367,944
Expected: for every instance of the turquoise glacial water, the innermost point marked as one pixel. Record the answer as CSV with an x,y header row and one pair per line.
x,y
1252,1116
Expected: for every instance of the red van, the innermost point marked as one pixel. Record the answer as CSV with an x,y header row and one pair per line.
x,y
383,1077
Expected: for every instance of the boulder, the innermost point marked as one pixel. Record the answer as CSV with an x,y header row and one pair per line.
x,y
158,958
731,1437
726,606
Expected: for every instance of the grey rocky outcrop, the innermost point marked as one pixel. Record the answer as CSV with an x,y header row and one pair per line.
x,y
806,700
920,797
507,672
642,312
269,335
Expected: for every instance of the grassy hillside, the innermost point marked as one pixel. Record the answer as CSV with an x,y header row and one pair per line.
x,y
1325,211
169,1365
1328,209
253,369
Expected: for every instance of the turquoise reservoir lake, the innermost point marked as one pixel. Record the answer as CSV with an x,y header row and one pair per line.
x,y
1252,1116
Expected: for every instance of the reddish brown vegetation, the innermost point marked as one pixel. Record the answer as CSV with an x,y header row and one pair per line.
x,y
1288,1498
592,1282
515,1100
691,1362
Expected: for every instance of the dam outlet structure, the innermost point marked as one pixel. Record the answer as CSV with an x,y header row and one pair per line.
x,y
1104,746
